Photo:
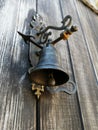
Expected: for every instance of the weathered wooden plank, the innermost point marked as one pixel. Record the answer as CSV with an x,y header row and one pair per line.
x,y
85,78
59,111
17,104
89,28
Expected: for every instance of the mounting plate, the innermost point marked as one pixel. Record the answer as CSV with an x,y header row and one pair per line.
x,y
35,26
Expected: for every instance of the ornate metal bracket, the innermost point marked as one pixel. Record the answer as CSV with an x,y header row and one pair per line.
x,y
40,35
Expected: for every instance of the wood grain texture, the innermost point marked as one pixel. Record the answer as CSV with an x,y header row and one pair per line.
x,y
82,62
89,29
79,59
17,104
59,111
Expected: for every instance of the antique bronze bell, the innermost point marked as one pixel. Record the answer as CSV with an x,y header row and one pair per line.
x,y
48,71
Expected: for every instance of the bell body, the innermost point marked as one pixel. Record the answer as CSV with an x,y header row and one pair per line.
x,y
48,71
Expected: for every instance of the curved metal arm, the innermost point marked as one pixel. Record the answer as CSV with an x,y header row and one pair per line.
x,y
63,89
63,27
28,38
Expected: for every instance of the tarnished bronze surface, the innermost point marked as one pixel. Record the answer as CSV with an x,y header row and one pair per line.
x,y
49,64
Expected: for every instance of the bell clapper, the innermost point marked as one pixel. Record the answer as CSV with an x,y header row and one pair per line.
x,y
51,80
38,90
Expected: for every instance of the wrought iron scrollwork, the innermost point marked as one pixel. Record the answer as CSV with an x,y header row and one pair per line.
x,y
43,35
66,22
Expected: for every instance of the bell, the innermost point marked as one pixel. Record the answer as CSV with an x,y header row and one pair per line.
x,y
48,71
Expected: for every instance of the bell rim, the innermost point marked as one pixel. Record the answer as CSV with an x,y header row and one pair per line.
x,y
60,70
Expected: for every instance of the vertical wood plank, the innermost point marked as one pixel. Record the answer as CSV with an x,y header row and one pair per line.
x,y
17,103
89,28
85,78
59,111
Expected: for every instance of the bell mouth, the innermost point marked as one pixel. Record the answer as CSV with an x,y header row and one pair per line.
x,y
48,77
